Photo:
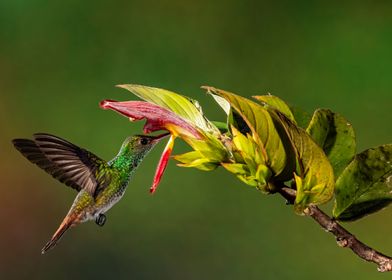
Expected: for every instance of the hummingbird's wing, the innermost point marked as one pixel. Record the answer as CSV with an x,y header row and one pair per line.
x,y
68,163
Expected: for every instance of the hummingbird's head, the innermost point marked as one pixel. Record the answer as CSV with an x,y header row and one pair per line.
x,y
142,144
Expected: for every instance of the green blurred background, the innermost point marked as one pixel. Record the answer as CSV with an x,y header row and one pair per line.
x,y
59,59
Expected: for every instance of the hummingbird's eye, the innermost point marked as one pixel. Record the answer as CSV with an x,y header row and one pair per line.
x,y
144,141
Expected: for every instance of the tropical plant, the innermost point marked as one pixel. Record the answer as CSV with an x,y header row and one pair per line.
x,y
274,149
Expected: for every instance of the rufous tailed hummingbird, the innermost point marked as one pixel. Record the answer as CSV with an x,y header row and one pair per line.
x,y
100,184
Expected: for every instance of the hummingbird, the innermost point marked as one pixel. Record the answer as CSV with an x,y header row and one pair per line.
x,y
100,184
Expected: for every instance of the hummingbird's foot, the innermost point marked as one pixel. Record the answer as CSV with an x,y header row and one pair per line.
x,y
100,220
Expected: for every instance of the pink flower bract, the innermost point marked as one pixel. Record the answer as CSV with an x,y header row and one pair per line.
x,y
162,164
157,118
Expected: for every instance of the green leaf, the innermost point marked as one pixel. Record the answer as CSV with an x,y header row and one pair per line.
x,y
210,147
242,172
189,157
276,103
249,180
207,155
221,102
195,159
185,107
335,135
246,145
249,165
314,177
365,186
236,168
232,117
262,127
263,174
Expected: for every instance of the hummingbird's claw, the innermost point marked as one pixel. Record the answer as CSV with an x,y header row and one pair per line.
x,y
100,220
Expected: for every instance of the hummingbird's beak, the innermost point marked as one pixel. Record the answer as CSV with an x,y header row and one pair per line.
x,y
160,136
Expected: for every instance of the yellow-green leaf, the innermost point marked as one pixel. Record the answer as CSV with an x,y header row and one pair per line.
x,y
262,126
263,174
188,157
222,103
207,155
196,160
247,146
210,147
236,168
335,135
249,180
242,172
314,177
276,103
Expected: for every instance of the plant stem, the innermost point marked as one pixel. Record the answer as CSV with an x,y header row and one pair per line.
x,y
343,237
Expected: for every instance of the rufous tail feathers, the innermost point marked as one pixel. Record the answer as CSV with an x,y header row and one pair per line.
x,y
65,225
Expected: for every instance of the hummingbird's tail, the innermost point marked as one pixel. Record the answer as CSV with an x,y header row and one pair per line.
x,y
65,225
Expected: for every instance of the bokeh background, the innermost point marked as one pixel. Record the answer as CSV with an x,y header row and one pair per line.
x,y
59,59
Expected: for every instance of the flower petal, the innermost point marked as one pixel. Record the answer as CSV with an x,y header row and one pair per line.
x,y
162,164
158,118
